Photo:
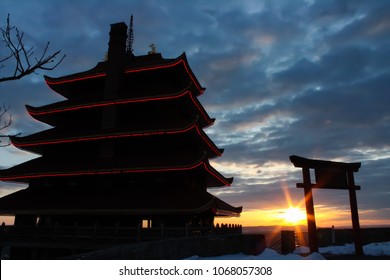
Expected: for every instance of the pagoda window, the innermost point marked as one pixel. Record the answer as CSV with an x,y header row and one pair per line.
x,y
146,223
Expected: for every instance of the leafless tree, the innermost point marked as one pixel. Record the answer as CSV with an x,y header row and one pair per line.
x,y
25,63
22,56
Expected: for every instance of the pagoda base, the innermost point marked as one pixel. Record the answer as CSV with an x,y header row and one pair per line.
x,y
49,242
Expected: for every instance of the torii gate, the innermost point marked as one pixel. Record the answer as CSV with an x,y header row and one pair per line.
x,y
328,175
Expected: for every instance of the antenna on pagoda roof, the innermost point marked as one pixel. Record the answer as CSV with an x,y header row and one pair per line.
x,y
130,37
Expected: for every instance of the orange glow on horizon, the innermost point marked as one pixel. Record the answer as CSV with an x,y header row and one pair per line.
x,y
326,218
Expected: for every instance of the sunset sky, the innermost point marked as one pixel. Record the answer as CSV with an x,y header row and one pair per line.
x,y
309,78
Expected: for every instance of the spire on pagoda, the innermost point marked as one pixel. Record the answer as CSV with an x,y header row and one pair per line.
x,y
130,37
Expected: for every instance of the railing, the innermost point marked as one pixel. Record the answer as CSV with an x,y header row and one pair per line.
x,y
108,233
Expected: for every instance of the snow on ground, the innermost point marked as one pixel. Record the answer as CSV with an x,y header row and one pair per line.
x,y
268,254
373,249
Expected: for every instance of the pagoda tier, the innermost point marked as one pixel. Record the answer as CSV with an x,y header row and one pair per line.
x,y
48,201
155,109
50,141
181,166
142,75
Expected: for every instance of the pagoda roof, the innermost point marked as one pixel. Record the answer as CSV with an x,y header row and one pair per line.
x,y
134,64
41,201
46,113
45,168
35,142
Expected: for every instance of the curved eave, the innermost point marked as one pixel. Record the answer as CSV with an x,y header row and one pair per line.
x,y
50,201
42,118
227,213
38,202
36,146
218,176
188,69
53,83
30,171
56,84
181,60
223,209
47,114
69,105
108,211
100,72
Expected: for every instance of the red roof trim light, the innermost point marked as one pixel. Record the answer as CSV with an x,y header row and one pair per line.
x,y
87,77
182,60
118,102
123,135
58,81
216,175
33,112
104,103
121,171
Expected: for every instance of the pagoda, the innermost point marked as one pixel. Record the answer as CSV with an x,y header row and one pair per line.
x,y
127,148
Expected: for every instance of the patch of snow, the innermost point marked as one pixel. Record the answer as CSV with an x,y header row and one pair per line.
x,y
377,249
302,250
347,249
373,249
5,252
267,254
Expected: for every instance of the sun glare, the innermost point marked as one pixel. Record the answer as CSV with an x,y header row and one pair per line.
x,y
294,216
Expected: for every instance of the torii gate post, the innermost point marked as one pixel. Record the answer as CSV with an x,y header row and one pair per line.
x,y
310,215
329,175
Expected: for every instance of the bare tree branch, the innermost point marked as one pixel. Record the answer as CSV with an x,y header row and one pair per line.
x,y
13,41
6,123
24,64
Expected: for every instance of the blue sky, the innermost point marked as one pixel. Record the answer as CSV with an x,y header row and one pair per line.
x,y
309,78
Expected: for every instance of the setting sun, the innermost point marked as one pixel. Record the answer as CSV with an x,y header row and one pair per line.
x,y
294,216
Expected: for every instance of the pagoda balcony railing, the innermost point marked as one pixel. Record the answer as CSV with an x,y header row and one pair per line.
x,y
108,233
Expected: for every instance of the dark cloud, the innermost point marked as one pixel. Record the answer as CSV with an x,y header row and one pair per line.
x,y
370,27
